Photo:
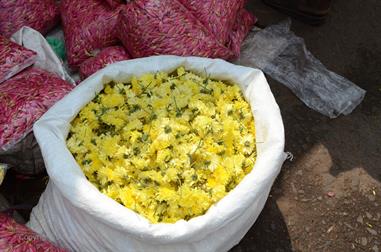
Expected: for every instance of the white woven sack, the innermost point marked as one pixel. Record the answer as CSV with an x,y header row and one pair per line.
x,y
75,215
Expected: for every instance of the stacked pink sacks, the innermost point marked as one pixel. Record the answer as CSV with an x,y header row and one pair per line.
x,y
185,27
151,27
24,96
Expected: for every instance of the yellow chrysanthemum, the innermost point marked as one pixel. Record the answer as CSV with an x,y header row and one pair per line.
x,y
166,146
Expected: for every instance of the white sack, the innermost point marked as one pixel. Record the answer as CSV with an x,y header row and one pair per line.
x,y
46,57
75,215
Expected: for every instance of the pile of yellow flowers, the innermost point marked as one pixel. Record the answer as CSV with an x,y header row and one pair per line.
x,y
167,146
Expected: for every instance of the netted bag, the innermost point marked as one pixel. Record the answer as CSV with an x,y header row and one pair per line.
x,y
151,27
41,15
115,3
244,23
14,58
24,157
24,99
89,25
103,58
15,237
217,16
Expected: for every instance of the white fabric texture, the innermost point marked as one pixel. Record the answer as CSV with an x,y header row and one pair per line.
x,y
46,57
75,215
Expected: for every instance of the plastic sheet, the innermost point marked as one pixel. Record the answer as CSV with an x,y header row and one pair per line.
x,y
103,58
24,98
13,58
89,25
283,56
151,27
16,237
41,15
217,16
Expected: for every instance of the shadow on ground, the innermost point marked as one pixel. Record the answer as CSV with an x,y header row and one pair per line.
x,y
341,155
269,227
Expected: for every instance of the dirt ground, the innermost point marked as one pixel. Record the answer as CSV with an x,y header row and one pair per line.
x,y
328,198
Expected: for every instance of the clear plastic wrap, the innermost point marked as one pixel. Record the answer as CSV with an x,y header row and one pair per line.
x,y
284,57
14,58
41,15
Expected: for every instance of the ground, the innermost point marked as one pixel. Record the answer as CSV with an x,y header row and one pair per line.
x,y
328,198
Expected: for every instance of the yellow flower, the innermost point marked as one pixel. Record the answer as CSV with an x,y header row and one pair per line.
x,y
221,175
167,146
180,71
167,194
112,100
110,145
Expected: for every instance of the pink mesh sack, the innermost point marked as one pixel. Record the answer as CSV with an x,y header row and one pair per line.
x,y
114,3
244,23
217,16
89,25
103,58
151,27
15,237
14,58
25,98
41,15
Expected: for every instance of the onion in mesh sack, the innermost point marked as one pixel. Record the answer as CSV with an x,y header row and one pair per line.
x,y
103,58
23,99
115,3
89,25
41,15
13,58
150,27
15,237
244,22
217,16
